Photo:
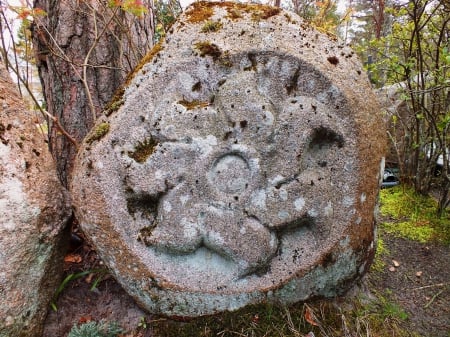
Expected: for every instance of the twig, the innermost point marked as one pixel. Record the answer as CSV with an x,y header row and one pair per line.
x,y
433,298
432,286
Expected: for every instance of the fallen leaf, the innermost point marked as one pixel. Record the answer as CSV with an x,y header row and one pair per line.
x,y
310,334
88,278
309,317
396,263
392,269
84,319
73,258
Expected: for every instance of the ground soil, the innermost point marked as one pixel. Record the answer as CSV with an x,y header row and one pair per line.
x,y
420,284
425,298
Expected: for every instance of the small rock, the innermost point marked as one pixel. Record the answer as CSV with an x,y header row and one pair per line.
x,y
392,269
419,273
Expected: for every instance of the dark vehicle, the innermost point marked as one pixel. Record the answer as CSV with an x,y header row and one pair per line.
x,y
389,179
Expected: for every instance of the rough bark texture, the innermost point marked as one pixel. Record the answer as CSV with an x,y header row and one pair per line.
x,y
71,31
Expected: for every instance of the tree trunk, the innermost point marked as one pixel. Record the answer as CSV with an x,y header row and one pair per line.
x,y
84,50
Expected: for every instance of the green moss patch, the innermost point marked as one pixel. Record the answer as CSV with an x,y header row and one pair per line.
x,y
146,59
115,103
211,26
143,150
207,48
98,133
378,264
117,100
413,216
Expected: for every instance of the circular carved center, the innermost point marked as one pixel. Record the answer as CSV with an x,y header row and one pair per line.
x,y
230,174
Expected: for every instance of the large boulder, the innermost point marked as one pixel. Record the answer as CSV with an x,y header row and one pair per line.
x,y
241,165
34,210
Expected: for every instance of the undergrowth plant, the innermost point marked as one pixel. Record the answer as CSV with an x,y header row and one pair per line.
x,y
96,329
74,276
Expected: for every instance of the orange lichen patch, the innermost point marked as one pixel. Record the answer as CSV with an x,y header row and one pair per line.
x,y
208,48
263,12
200,11
193,104
234,14
203,10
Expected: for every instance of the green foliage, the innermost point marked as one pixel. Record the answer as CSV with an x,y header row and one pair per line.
x,y
96,329
382,314
387,308
415,56
135,7
413,215
142,323
72,277
166,12
320,14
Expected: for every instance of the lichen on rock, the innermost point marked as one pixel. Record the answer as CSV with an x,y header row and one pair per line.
x,y
242,166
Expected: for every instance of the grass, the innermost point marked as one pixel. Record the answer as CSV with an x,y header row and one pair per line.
x,y
356,317
72,277
413,216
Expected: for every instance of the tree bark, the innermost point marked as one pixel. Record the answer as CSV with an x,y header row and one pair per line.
x,y
84,50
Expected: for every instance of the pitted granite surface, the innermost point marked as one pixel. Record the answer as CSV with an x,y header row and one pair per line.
x,y
242,166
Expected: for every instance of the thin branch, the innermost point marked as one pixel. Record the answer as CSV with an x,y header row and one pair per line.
x,y
432,286
44,112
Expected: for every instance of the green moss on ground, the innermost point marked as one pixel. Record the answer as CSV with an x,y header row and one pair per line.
x,y
413,216
378,264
